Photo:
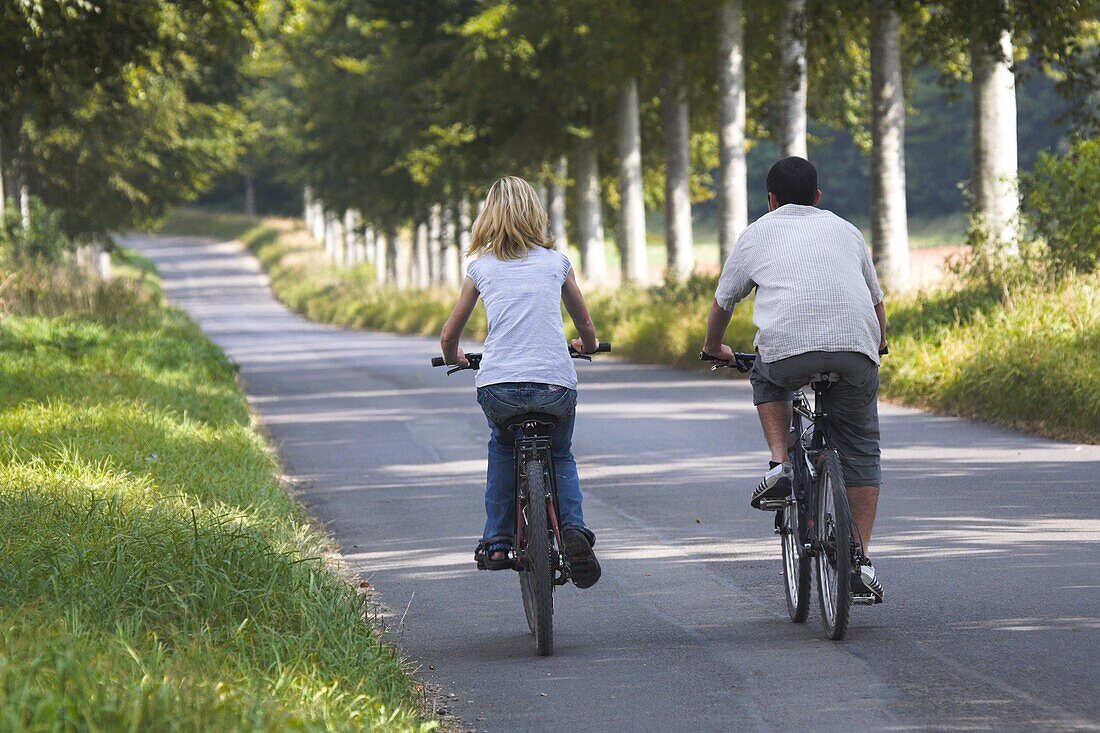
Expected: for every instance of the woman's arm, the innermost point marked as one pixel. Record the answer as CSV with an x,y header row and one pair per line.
x,y
452,329
574,303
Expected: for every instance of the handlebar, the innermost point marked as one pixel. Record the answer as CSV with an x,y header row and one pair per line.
x,y
475,359
741,362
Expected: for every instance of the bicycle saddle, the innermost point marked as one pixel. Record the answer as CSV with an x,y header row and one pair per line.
x,y
824,380
544,422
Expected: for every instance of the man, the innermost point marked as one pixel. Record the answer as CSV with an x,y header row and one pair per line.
x,y
818,308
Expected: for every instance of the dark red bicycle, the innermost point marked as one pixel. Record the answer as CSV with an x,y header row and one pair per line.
x,y
537,550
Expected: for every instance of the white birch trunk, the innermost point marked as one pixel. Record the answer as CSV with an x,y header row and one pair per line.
x,y
590,213
557,203
435,244
450,248
422,268
632,243
396,260
889,229
733,194
678,239
994,143
381,257
792,79
464,224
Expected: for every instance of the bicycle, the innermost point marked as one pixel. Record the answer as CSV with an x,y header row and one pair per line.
x,y
536,555
815,522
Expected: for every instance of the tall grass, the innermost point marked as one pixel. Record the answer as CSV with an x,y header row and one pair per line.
x,y
1021,352
155,574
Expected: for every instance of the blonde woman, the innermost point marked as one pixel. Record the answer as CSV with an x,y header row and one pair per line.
x,y
525,364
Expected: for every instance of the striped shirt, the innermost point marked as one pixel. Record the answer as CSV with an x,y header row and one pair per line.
x,y
815,285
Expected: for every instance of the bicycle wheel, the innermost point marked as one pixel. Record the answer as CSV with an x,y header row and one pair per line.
x,y
834,557
796,566
536,581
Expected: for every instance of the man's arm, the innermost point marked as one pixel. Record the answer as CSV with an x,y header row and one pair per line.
x,y
717,321
880,313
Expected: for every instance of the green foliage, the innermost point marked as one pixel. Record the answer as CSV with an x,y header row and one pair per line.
x,y
42,240
156,576
1062,201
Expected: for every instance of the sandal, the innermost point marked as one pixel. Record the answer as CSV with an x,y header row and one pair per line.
x,y
483,555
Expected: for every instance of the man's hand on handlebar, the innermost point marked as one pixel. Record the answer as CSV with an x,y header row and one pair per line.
x,y
723,353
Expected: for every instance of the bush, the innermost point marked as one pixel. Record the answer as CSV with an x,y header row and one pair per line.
x,y
41,241
1060,198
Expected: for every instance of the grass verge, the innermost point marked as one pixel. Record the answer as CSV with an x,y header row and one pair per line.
x,y
1027,357
156,576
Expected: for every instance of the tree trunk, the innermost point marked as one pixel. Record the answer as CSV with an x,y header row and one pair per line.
x,y
889,230
632,242
435,243
674,107
792,79
370,245
3,193
381,257
733,194
249,196
351,227
465,221
396,262
450,248
24,205
557,203
994,145
422,268
590,213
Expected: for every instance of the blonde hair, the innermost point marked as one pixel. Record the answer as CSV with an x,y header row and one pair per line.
x,y
512,222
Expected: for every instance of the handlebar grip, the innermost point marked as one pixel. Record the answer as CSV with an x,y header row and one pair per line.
x,y
438,361
604,347
704,356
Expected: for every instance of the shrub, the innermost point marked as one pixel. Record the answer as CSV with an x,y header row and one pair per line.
x,y
1060,197
41,241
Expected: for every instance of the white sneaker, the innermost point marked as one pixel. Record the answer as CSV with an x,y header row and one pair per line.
x,y
866,582
772,493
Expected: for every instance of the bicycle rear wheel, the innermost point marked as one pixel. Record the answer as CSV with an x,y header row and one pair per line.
x,y
796,565
536,579
834,557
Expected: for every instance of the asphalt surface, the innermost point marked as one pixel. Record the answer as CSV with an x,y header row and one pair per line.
x,y
987,543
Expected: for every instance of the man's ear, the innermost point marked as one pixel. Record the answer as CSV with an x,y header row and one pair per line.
x,y
817,196
773,202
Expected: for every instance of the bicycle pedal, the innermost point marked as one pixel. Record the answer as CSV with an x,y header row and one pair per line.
x,y
863,599
772,505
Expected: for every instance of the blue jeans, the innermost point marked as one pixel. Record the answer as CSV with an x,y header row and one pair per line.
x,y
502,402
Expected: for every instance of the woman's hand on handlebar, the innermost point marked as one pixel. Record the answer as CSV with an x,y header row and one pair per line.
x,y
578,346
459,360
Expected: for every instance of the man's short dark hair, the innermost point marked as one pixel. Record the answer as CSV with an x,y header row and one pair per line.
x,y
793,180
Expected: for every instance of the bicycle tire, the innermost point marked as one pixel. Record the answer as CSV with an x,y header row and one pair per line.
x,y
796,565
536,580
834,556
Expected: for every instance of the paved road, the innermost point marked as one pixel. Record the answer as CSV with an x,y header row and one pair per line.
x,y
988,543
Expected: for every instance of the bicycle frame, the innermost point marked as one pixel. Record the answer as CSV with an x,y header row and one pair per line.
x,y
806,452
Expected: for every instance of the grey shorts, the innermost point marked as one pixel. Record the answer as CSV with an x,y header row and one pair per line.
x,y
851,404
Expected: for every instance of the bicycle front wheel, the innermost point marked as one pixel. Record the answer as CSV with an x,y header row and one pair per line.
x,y
536,579
834,556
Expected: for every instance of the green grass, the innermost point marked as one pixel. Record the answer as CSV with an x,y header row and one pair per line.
x,y
155,574
1026,356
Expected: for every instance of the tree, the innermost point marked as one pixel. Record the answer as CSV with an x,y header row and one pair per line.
x,y
889,226
792,79
733,211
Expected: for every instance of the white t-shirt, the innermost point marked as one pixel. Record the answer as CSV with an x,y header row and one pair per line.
x,y
816,288
526,341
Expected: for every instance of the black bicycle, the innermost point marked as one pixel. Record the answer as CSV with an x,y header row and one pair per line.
x,y
815,522
537,549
